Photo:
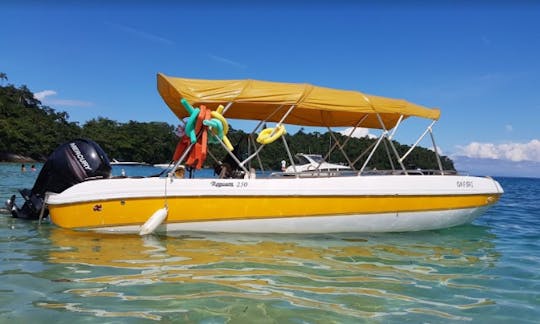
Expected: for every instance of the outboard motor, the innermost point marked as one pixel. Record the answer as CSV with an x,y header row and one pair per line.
x,y
70,163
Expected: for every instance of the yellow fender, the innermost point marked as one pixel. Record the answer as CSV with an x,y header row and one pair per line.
x,y
218,115
266,137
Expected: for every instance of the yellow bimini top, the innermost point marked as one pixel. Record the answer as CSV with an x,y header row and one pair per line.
x,y
313,105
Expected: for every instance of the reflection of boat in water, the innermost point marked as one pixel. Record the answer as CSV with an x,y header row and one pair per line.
x,y
354,200
351,276
472,246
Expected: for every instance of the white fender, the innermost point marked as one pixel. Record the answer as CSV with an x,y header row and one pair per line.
x,y
153,222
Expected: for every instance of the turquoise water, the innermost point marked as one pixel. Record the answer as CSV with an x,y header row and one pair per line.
x,y
487,271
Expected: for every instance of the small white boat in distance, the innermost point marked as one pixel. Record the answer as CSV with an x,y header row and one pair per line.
x,y
128,163
314,165
163,165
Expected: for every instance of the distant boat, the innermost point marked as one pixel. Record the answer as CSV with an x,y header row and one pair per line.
x,y
314,165
116,162
163,165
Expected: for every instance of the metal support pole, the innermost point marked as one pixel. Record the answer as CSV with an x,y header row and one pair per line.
x,y
372,152
417,141
226,108
394,130
233,156
388,154
250,138
249,158
283,119
392,145
436,151
183,156
290,155
364,153
351,165
341,148
264,121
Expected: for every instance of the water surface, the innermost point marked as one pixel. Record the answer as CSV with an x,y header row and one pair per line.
x,y
482,272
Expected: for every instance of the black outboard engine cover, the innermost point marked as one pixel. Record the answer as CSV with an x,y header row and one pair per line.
x,y
70,163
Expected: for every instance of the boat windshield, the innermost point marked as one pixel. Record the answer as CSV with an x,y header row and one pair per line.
x,y
316,158
302,160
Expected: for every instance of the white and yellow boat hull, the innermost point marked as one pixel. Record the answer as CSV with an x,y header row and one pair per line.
x,y
284,205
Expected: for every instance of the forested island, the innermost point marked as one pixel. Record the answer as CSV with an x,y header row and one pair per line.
x,y
30,131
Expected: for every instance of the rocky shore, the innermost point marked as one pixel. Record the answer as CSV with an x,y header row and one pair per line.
x,y
12,157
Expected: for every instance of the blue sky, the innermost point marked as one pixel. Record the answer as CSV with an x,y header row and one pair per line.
x,y
478,63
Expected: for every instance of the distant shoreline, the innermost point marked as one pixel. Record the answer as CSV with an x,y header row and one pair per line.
x,y
12,157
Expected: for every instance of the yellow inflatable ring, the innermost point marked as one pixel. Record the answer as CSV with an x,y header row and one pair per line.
x,y
266,137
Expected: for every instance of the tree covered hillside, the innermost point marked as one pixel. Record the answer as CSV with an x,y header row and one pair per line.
x,y
28,128
31,129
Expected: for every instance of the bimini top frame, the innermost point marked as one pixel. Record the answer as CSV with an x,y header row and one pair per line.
x,y
301,104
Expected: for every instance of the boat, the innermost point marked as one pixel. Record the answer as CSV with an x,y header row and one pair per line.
x,y
314,165
243,200
162,165
128,163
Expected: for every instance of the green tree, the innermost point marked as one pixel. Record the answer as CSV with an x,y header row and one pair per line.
x,y
29,128
3,77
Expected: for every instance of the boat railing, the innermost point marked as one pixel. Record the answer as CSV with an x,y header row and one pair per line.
x,y
351,173
424,172
385,139
315,174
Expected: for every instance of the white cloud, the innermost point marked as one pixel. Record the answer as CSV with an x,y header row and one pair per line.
x,y
142,34
509,151
226,61
439,149
359,132
44,97
508,128
492,167
42,94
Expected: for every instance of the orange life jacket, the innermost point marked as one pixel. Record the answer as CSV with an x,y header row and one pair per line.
x,y
197,155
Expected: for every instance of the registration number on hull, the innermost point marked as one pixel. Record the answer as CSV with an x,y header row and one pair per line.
x,y
465,184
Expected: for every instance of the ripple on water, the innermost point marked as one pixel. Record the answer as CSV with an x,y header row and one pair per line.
x,y
345,278
481,272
